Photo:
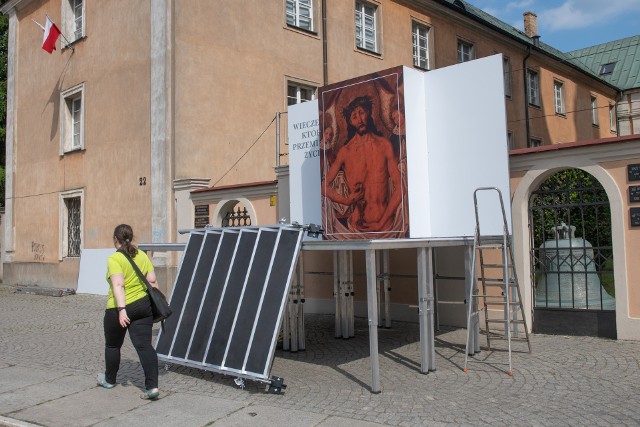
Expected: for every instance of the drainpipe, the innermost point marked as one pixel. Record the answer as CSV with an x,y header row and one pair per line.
x,y
325,67
278,139
526,96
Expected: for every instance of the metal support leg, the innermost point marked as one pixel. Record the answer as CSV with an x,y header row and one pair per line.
x,y
285,325
372,310
387,288
294,310
351,311
301,340
434,278
378,283
473,345
337,294
425,304
344,294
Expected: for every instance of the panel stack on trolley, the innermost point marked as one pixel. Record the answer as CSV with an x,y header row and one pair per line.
x,y
500,300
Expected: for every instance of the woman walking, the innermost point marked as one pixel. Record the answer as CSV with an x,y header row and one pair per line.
x,y
128,308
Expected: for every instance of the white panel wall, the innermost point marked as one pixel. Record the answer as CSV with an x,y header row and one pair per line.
x,y
304,163
466,141
417,166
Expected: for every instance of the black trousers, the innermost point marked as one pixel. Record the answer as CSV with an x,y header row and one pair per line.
x,y
139,313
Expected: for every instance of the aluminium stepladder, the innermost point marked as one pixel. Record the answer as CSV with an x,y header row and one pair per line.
x,y
499,289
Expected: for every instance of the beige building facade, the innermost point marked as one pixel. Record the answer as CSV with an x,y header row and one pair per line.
x,y
165,114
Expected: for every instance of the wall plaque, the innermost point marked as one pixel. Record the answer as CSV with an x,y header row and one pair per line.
x,y
201,221
635,217
634,193
202,210
633,172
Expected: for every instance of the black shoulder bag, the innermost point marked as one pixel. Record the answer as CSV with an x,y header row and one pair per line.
x,y
159,304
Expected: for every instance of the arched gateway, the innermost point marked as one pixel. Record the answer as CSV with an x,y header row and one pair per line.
x,y
572,256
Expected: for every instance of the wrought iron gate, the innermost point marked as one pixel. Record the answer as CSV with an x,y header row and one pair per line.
x,y
572,256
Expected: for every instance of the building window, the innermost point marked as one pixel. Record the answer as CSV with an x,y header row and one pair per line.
x,y
420,46
535,142
594,111
72,119
465,51
558,95
71,223
506,66
297,93
606,69
73,19
300,14
612,118
510,140
367,26
533,88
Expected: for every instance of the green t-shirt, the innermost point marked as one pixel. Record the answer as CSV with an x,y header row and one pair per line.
x,y
134,288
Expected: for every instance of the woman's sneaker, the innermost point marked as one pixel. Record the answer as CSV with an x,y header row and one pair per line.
x,y
150,394
102,382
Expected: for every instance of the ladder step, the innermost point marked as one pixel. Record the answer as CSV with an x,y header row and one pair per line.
x,y
490,246
519,322
496,266
496,280
493,285
501,303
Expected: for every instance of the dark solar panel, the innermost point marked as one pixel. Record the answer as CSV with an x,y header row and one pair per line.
x,y
228,299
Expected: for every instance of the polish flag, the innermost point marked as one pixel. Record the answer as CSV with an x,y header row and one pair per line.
x,y
51,34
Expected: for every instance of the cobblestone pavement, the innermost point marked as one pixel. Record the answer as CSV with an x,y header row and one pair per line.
x,y
47,340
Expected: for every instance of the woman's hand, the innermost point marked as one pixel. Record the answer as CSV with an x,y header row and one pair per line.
x,y
123,318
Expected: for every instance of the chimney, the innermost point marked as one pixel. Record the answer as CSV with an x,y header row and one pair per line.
x,y
530,24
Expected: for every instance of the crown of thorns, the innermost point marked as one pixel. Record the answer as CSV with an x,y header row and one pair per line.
x,y
362,101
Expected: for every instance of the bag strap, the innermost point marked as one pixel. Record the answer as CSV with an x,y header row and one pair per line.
x,y
135,267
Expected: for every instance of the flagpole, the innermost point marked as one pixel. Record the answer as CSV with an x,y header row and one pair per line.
x,y
38,24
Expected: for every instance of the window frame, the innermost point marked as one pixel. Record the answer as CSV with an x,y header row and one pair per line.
x,y
68,118
613,116
296,16
359,9
559,98
69,19
460,53
595,121
506,69
298,86
534,142
64,222
606,69
510,144
533,91
417,49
